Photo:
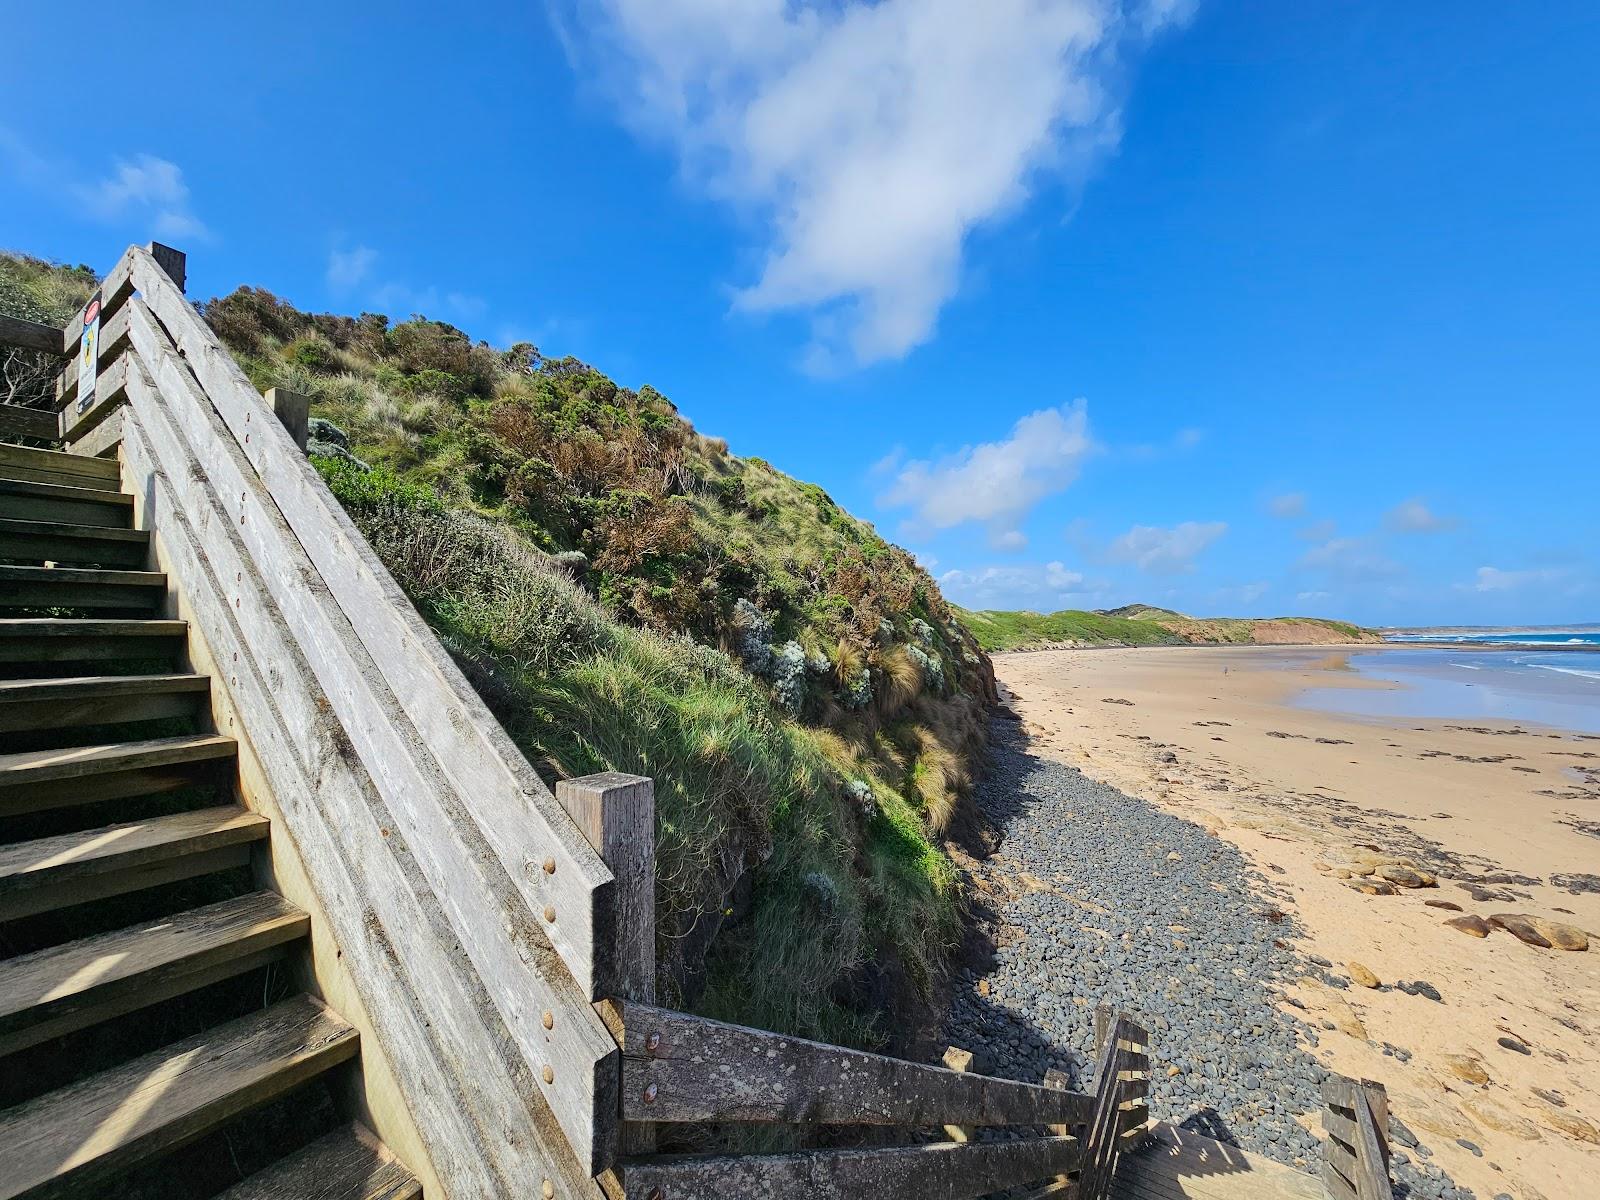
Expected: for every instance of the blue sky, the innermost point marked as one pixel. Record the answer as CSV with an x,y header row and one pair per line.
x,y
1236,307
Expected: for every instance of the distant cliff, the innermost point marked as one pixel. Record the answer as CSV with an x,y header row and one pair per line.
x,y
1144,625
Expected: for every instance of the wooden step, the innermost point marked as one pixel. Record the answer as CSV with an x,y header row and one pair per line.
x,y
73,639
76,1140
70,987
35,780
97,700
54,466
87,545
348,1164
73,868
24,501
78,587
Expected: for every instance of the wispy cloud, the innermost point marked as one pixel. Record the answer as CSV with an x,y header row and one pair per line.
x,y
1493,579
1288,506
355,270
1354,560
869,138
350,268
1413,516
1050,585
148,189
144,194
995,484
1165,551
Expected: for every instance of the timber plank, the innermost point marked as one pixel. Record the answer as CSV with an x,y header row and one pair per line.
x,y
68,987
97,700
57,466
55,541
71,868
79,587
77,639
17,420
113,341
940,1171
39,780
347,1164
704,1070
30,335
114,292
83,1134
29,501
1182,1165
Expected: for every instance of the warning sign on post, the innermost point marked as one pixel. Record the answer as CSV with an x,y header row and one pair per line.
x,y
89,355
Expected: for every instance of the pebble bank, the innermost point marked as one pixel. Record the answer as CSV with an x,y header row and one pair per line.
x,y
1099,897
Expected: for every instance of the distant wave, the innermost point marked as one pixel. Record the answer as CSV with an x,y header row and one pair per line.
x,y
1569,671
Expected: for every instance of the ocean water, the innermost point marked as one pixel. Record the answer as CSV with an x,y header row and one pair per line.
x,y
1515,637
1524,680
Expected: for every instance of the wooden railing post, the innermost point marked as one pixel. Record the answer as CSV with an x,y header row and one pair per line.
x,y
960,1061
293,412
617,813
174,262
1056,1078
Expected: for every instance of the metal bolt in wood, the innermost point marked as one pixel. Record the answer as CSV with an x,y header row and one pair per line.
x,y
650,1094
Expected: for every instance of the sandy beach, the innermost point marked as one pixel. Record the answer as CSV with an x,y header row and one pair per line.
x,y
1500,1076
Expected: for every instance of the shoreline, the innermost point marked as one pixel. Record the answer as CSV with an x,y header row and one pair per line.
x,y
1494,809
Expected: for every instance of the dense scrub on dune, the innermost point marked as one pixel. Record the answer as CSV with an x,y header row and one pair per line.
x,y
627,594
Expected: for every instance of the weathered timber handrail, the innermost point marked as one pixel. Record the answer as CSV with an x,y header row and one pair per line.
x,y
462,899
501,794
30,335
939,1171
1355,1164
678,1067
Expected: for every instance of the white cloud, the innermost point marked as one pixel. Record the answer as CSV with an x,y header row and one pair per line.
x,y
1051,585
1288,505
1413,516
1493,579
1011,539
869,138
1308,597
996,483
1165,551
146,188
1350,559
349,268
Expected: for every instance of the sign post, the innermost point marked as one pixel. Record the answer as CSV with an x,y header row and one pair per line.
x,y
89,355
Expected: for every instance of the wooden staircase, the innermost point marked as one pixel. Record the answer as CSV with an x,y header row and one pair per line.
x,y
155,1038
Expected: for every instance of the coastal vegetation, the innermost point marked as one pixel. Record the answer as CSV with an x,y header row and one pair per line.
x,y
1144,625
626,594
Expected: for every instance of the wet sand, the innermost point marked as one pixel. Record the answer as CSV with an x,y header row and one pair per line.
x,y
1210,733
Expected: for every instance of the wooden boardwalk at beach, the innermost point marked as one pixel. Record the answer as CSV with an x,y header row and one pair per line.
x,y
1187,1166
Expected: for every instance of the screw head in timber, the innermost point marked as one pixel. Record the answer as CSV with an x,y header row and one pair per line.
x,y
650,1094
549,1019
550,866
653,1042
548,1190
549,1074
550,913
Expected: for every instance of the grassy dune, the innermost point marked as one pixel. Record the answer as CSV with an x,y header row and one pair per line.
x,y
1142,625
